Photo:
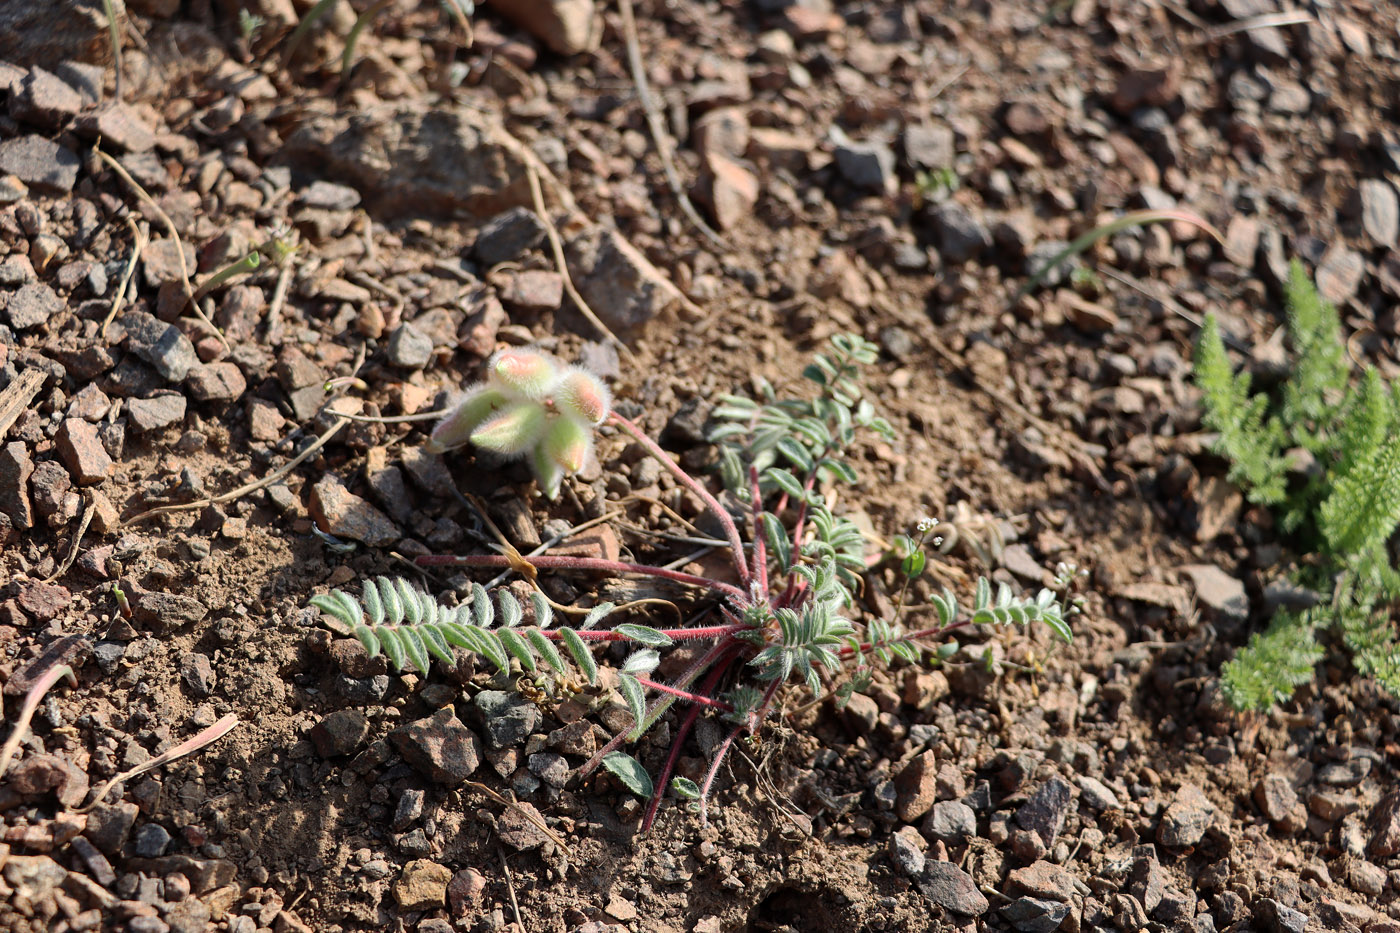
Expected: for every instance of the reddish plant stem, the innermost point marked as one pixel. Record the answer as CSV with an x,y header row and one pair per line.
x,y
731,531
681,735
866,647
685,694
675,634
696,668
712,771
564,562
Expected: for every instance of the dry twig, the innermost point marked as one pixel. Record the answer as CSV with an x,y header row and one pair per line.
x,y
212,734
658,130
139,241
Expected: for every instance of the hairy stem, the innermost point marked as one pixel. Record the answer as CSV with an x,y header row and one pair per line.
x,y
675,634
681,735
563,562
867,647
731,531
713,771
760,550
685,694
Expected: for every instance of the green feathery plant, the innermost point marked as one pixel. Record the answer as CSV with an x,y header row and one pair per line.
x,y
1345,510
790,609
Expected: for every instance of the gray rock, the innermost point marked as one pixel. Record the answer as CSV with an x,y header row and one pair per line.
x,y
150,840
868,165
624,289
42,164
406,158
440,747
906,852
109,825
1096,794
509,718
1041,254
1035,915
198,674
506,236
951,888
54,31
951,821
1285,594
1383,823
550,767
160,344
1380,211
1044,813
409,808
929,147
45,100
1278,918
566,26
16,467
150,414
1185,821
340,733
32,305
1219,592
961,236
410,348
328,196
1339,273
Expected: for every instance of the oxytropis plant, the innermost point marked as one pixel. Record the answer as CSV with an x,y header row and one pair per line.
x,y
787,609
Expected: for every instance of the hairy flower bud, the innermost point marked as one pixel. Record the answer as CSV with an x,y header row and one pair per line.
x,y
568,442
583,394
524,373
456,428
513,430
548,473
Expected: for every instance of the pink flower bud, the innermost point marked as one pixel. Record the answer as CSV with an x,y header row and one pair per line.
x,y
583,394
513,430
567,443
456,428
525,373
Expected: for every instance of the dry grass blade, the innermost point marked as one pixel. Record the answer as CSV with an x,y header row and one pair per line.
x,y
1262,21
114,35
31,703
557,248
534,820
15,400
125,176
139,241
212,734
247,488
658,130
1131,219
88,511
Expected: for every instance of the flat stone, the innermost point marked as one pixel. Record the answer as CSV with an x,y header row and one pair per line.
x,y
342,732
621,285
508,236
1339,274
1044,880
197,673
440,747
43,601
1380,211
1186,818
162,345
916,787
869,164
566,26
906,849
46,100
410,348
1096,795
216,382
1218,591
151,414
960,236
329,196
422,886
1044,813
951,821
340,512
951,888
82,452
1035,915
16,466
509,718
119,125
1275,797
44,33
1384,825
929,147
40,163
32,305
168,611
160,261
534,290
728,189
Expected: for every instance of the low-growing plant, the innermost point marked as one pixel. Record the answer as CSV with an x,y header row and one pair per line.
x,y
789,610
1321,453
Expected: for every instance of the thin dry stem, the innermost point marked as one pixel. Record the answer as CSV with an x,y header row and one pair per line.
x,y
26,713
212,734
657,128
139,240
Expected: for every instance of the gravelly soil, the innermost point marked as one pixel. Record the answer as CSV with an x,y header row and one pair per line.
x,y
897,170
